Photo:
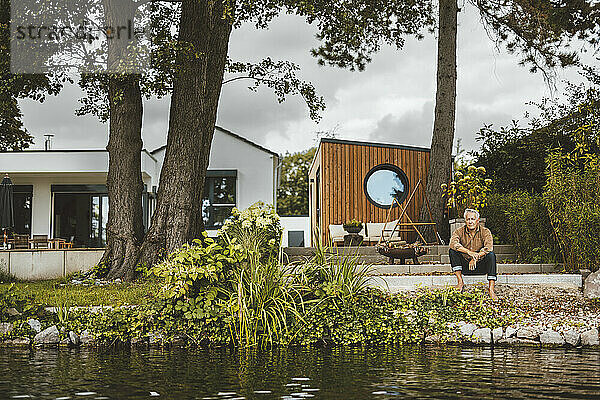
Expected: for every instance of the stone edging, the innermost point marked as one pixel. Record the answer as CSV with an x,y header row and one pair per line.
x,y
518,336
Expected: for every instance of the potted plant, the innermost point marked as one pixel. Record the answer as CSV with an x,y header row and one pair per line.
x,y
353,226
469,189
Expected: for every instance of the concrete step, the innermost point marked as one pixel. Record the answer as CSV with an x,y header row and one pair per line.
x,y
498,249
372,250
376,258
500,257
395,284
385,269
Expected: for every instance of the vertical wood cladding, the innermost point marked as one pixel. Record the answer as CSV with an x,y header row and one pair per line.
x,y
343,170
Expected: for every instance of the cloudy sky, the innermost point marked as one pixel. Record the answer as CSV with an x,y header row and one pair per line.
x,y
392,101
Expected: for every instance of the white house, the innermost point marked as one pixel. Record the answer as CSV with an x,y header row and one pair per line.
x,y
62,193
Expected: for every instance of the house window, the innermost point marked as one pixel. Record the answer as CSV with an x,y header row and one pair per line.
x,y
384,183
295,238
219,197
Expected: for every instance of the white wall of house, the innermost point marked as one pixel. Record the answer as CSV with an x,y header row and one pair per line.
x,y
256,168
257,172
296,224
42,169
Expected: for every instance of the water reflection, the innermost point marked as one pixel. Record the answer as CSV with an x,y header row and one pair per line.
x,y
384,373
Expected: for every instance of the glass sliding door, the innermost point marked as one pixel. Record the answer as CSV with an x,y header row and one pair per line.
x,y
72,218
99,214
80,214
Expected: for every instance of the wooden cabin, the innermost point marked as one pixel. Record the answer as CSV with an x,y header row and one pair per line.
x,y
357,180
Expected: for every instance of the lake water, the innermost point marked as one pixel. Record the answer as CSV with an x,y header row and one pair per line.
x,y
382,373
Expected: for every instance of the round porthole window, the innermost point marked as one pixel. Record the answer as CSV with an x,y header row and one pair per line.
x,y
384,183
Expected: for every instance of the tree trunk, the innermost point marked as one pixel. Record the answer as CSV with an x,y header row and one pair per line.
x,y
443,126
124,182
196,91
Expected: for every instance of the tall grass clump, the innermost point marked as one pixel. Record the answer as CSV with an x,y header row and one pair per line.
x,y
265,303
336,274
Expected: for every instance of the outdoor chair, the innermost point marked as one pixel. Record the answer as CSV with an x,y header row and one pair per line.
x,y
40,241
20,241
375,230
67,245
337,233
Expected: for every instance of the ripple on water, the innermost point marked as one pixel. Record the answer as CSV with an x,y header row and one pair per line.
x,y
391,372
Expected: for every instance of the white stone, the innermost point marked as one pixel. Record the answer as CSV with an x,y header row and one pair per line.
x,y
591,286
19,341
590,338
527,333
35,325
86,337
482,335
467,329
511,331
48,336
551,337
497,334
5,327
74,338
572,337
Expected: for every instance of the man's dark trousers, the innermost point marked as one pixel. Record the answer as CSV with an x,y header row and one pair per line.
x,y
487,265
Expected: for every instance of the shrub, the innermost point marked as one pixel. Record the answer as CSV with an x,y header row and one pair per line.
x,y
193,274
468,190
572,195
256,229
521,219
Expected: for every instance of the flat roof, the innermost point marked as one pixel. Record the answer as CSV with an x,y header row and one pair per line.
x,y
375,144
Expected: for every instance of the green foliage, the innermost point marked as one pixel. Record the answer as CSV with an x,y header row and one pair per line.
x,y
468,190
194,270
515,156
265,305
100,270
353,223
572,196
522,219
257,230
53,293
6,277
11,297
376,318
292,194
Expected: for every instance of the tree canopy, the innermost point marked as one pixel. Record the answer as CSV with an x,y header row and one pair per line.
x,y
292,195
515,155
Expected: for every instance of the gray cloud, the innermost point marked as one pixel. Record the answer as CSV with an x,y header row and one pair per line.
x,y
391,101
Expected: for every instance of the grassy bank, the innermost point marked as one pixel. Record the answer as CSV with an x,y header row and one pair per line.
x,y
57,293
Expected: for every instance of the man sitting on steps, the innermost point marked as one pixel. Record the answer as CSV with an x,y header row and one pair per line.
x,y
476,244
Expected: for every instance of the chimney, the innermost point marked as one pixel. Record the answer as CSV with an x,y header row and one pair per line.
x,y
48,141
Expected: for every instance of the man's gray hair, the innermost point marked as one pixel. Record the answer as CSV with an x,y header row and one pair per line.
x,y
470,210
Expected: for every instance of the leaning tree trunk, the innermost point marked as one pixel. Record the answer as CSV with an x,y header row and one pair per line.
x,y
196,91
443,126
124,182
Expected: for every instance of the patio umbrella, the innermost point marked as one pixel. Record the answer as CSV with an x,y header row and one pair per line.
x,y
7,219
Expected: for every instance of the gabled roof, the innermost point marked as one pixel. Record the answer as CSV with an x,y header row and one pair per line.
x,y
235,135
